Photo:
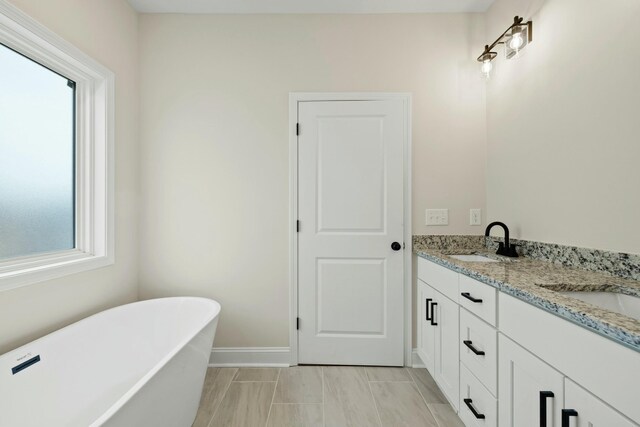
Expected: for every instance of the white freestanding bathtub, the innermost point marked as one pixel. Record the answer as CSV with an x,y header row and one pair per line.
x,y
140,364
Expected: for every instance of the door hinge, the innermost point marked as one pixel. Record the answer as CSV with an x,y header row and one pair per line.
x,y
297,226
297,323
297,128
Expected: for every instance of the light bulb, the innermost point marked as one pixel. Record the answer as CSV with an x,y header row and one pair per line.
x,y
516,41
487,66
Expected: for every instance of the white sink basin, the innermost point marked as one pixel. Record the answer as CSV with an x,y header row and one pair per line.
x,y
474,258
620,303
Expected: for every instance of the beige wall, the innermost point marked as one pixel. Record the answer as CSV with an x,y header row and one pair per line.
x,y
107,31
563,124
561,121
214,170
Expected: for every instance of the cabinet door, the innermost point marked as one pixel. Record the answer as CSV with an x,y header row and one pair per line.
x,y
427,350
589,410
526,386
447,371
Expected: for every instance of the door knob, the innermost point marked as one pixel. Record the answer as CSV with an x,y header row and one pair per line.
x,y
396,246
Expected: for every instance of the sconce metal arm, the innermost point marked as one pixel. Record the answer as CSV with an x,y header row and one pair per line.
x,y
517,22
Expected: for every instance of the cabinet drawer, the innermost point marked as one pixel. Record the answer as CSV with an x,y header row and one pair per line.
x,y
478,335
478,298
440,278
475,397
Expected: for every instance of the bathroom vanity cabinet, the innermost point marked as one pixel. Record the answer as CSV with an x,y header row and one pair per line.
x,y
517,365
439,335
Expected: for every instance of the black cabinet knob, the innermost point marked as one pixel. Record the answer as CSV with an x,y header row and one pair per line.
x,y
396,246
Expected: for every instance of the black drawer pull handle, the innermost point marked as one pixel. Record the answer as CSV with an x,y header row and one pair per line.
x,y
473,410
426,315
433,314
470,298
469,344
566,414
544,395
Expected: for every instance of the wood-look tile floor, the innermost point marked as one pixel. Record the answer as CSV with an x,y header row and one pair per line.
x,y
323,396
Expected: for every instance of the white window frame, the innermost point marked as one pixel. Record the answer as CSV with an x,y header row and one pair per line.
x,y
94,182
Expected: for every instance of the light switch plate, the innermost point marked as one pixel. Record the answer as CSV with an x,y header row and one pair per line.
x,y
437,216
475,216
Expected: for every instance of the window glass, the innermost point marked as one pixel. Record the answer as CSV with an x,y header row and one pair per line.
x,y
37,165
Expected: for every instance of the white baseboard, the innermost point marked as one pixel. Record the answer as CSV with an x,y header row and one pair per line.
x,y
250,357
261,357
416,362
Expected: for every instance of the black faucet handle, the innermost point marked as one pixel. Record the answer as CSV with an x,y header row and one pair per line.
x,y
511,251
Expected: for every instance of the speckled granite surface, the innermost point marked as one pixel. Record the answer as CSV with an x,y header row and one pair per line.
x,y
457,241
536,282
615,263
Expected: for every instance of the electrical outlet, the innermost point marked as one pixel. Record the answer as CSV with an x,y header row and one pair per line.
x,y
437,216
475,217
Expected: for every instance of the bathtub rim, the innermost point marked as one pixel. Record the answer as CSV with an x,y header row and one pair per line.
x,y
144,379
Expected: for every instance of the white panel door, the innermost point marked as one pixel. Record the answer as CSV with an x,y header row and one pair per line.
x,y
586,410
530,392
350,184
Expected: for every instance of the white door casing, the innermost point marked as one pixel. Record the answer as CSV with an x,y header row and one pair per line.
x,y
351,287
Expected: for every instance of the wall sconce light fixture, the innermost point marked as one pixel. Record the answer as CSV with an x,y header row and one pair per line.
x,y
514,39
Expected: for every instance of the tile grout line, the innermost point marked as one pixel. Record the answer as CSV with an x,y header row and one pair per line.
x,y
424,399
375,405
223,396
273,397
413,380
217,370
298,404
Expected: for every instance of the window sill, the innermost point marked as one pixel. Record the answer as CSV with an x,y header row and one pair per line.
x,y
16,273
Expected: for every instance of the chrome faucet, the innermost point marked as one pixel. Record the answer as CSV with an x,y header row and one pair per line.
x,y
505,249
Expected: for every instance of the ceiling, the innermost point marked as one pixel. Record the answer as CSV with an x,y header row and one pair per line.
x,y
310,6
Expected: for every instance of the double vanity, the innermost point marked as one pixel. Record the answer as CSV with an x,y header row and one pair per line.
x,y
518,342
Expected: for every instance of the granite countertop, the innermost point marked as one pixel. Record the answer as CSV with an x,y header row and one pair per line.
x,y
538,282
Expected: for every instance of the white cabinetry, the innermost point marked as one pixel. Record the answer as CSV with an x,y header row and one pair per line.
x,y
479,349
439,324
585,410
531,392
446,314
426,332
479,299
608,370
477,405
503,362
